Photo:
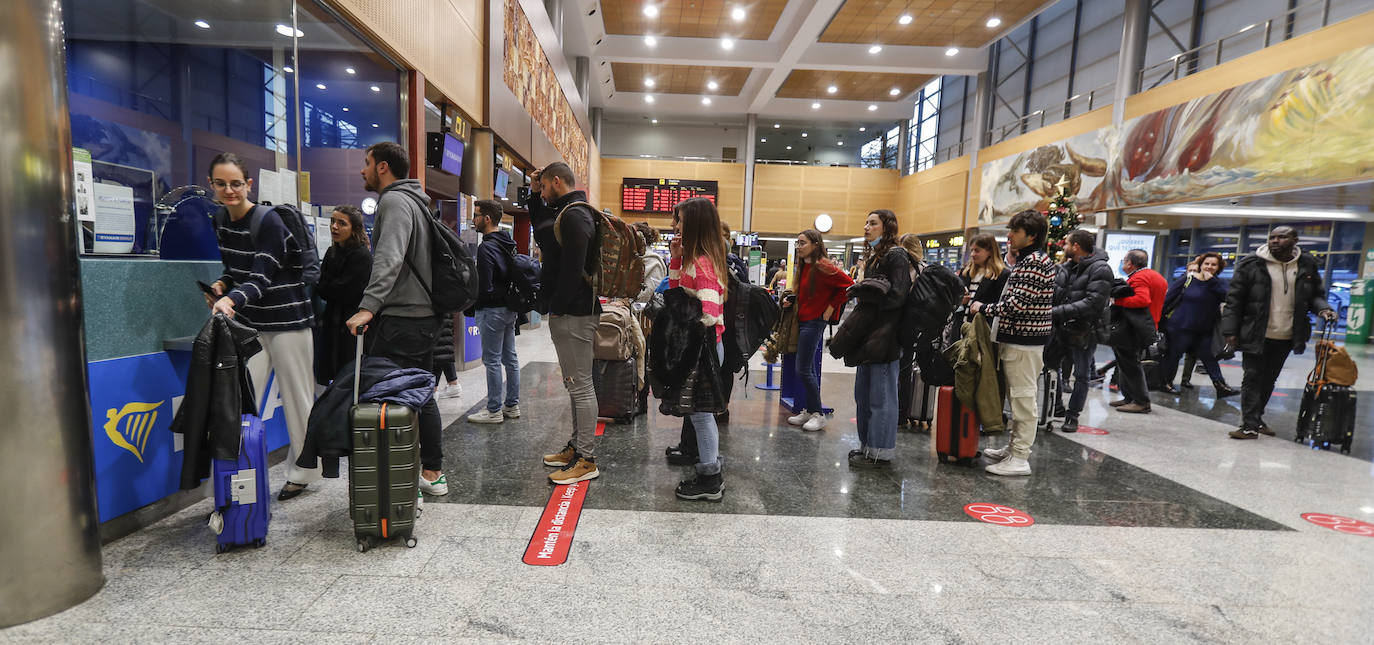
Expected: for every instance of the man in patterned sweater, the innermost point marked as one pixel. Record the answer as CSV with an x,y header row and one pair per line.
x,y
1024,319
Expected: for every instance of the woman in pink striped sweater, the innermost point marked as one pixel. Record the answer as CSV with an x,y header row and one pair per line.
x,y
697,264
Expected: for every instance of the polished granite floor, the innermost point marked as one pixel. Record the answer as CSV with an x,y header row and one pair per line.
x,y
1162,531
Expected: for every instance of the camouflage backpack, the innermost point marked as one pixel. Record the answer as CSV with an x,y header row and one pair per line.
x,y
620,272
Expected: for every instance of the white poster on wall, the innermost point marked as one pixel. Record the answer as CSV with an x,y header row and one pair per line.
x,y
85,185
322,239
287,187
114,219
1119,243
267,186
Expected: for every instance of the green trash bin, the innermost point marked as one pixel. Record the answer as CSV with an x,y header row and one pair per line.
x,y
1357,317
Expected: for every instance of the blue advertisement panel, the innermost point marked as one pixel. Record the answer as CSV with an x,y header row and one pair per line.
x,y
137,457
472,340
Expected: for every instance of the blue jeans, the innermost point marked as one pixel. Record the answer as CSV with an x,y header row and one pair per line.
x,y
497,326
875,402
809,336
1082,371
708,435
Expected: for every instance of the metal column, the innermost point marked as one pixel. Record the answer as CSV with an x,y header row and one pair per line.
x,y
751,133
49,530
1135,25
555,10
479,165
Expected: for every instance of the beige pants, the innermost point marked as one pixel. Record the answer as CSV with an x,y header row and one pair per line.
x,y
292,355
1021,366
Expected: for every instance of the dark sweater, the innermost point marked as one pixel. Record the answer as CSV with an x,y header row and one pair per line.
x,y
264,274
564,289
493,260
1196,304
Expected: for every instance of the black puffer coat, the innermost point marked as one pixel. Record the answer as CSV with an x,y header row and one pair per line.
x,y
1081,292
869,335
684,369
343,276
443,343
1246,315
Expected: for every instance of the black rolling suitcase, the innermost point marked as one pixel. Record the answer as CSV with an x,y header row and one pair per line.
x,y
384,469
617,389
1047,395
922,407
1326,417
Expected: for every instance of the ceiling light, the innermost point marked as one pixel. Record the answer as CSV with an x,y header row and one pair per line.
x,y
831,90
727,43
650,11
350,70
776,126
374,125
648,82
648,98
994,22
789,147
803,135
1269,213
712,85
705,100
872,107
905,19
1142,221
374,88
202,24
764,140
894,91
345,109
319,86
738,14
861,129
288,31
875,49
951,51
655,121
650,41
839,143
815,106
288,69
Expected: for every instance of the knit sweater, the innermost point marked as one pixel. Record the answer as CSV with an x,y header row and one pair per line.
x,y
830,290
1025,310
263,274
700,282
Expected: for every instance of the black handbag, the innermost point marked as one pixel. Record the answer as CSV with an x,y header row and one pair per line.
x,y
1131,328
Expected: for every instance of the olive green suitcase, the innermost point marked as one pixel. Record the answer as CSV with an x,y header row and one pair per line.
x,y
384,469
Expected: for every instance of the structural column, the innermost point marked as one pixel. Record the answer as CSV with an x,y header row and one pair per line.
x,y
750,137
479,165
1135,25
49,530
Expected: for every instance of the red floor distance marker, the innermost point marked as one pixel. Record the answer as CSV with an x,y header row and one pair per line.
x,y
1340,524
553,535
600,427
1091,430
998,514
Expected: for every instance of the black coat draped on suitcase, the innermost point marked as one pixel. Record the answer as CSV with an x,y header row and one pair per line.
x,y
219,392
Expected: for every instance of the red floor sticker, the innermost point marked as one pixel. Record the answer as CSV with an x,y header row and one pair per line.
x,y
600,427
553,535
1091,430
995,514
1281,394
1341,524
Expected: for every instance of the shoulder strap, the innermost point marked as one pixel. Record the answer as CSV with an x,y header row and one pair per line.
x,y
558,220
255,219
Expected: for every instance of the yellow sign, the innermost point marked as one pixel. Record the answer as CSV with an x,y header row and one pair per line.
x,y
129,427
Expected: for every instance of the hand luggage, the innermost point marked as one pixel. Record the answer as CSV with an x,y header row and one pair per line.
x,y
1326,416
922,406
956,429
242,495
384,469
617,391
1048,396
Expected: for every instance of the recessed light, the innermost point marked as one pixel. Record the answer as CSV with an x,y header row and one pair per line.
x,y
951,51
763,140
815,106
872,107
705,100
319,86
650,11
738,14
288,69
288,31
345,109
875,49
202,24
894,91
727,43
374,88
650,41
648,98
862,129
803,135
905,19
831,90
789,147
712,85
654,121
350,70
375,125
648,82
994,22
839,143
1142,221
777,125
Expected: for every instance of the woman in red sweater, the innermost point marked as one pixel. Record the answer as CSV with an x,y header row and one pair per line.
x,y
819,299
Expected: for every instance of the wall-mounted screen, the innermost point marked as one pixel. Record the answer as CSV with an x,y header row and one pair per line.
x,y
661,195
445,152
502,182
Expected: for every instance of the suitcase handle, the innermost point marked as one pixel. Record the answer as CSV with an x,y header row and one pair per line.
x,y
358,363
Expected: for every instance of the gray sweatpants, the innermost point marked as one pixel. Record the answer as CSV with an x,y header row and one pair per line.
x,y
572,340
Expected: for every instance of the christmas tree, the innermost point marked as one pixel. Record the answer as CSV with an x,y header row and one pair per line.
x,y
1063,218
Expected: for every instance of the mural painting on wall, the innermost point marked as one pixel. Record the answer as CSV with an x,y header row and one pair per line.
x,y
531,78
1304,126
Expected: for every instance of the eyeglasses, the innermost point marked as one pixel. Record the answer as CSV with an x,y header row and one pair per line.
x,y
235,185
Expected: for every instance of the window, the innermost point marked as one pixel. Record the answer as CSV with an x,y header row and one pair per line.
x,y
925,126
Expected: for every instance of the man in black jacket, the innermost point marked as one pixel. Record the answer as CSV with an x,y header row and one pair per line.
x,y
1082,289
565,229
1266,317
495,319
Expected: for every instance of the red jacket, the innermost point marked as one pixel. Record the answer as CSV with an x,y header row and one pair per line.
x,y
830,291
1150,288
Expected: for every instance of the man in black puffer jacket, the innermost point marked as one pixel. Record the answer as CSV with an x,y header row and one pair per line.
x,y
1266,317
1081,293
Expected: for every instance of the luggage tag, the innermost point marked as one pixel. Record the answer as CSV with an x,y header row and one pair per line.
x,y
216,522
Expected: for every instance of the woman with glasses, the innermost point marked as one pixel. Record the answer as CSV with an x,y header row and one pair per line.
x,y
263,287
344,273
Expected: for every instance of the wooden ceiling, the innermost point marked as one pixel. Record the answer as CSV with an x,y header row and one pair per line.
x,y
850,86
938,23
693,18
679,79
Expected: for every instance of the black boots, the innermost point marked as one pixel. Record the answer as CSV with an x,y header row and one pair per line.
x,y
707,487
1224,390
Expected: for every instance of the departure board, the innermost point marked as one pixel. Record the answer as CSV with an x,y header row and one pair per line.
x,y
661,195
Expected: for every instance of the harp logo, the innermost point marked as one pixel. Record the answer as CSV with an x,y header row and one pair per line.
x,y
130,426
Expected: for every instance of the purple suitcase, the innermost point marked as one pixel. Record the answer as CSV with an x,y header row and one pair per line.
x,y
242,496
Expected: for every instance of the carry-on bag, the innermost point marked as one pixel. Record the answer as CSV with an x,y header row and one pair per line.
x,y
242,496
922,406
617,389
1048,396
956,429
1326,416
384,469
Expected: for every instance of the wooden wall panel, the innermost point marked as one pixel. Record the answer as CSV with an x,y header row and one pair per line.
x,y
788,198
933,200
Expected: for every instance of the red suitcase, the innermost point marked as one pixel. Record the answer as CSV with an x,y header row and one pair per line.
x,y
956,429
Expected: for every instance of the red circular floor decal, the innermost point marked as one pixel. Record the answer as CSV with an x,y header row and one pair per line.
x,y
1091,430
1341,524
996,514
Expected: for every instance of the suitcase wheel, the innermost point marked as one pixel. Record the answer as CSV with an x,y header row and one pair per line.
x,y
364,544
221,548
259,543
411,542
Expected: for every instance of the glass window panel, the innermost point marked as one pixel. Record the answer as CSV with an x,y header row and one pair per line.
x,y
1180,241
1349,237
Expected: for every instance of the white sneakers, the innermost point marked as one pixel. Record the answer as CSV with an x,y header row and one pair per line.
x,y
511,411
450,391
483,416
437,488
816,422
994,455
1010,467
799,418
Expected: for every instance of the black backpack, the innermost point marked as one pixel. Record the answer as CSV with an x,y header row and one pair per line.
x,y
295,223
454,270
750,315
522,277
934,295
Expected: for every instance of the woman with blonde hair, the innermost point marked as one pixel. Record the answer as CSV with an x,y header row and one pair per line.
x,y
985,274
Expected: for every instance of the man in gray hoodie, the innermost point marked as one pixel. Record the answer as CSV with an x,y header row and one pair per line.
x,y
396,303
